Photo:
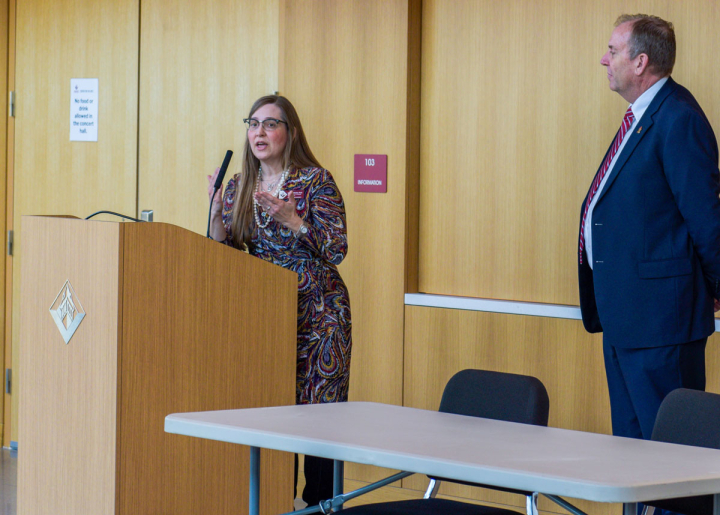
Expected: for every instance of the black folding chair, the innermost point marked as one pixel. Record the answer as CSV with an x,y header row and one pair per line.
x,y
476,393
688,417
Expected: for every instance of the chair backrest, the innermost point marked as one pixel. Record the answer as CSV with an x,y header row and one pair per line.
x,y
688,417
497,395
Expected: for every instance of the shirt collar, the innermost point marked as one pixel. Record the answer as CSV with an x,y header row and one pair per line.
x,y
641,104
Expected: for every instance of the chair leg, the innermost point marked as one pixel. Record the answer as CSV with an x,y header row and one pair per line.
x,y
531,507
432,489
648,510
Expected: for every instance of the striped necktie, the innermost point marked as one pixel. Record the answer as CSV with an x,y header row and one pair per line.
x,y
626,123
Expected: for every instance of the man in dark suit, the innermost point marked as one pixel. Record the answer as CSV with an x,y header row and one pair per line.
x,y
649,250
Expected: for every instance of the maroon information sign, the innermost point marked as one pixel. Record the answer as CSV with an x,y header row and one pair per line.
x,y
371,173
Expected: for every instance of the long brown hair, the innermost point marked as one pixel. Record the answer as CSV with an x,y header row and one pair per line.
x,y
297,155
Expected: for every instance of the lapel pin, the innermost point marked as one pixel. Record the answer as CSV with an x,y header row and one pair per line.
x,y
638,131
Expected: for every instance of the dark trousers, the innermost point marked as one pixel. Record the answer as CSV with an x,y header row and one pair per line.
x,y
639,380
318,479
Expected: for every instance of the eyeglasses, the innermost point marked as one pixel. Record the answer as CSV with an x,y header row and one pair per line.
x,y
269,124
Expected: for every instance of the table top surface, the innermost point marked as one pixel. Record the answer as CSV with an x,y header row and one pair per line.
x,y
569,463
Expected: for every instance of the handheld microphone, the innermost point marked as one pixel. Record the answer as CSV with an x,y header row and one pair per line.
x,y
218,184
223,170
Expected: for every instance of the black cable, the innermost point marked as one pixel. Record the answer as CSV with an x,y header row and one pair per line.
x,y
115,214
218,184
210,213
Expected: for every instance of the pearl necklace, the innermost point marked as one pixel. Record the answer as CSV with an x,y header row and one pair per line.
x,y
275,193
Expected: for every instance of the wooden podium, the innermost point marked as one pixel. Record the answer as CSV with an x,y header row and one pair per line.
x,y
169,322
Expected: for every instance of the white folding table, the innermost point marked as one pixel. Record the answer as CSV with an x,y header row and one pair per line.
x,y
551,461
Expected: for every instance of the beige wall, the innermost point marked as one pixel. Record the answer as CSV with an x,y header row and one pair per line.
x,y
516,116
494,116
569,362
57,41
202,65
349,72
360,42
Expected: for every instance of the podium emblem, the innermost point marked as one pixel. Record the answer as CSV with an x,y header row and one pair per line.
x,y
67,311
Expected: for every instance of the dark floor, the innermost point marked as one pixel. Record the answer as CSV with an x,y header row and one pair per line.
x,y
8,482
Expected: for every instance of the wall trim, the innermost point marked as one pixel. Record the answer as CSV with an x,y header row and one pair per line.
x,y
509,307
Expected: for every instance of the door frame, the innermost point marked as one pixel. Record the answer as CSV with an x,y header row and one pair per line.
x,y
7,66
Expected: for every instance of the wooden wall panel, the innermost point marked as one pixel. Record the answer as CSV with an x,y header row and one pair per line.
x,y
569,362
516,116
346,65
57,41
712,363
346,68
202,66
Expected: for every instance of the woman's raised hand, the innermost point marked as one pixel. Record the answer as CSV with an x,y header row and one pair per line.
x,y
282,211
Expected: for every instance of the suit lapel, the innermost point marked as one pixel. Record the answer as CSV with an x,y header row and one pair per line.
x,y
638,133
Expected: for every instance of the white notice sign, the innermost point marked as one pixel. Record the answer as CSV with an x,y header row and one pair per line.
x,y
83,109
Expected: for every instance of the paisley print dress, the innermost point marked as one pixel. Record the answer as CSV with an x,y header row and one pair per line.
x,y
324,328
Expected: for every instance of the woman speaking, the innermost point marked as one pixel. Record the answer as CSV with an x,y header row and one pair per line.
x,y
285,208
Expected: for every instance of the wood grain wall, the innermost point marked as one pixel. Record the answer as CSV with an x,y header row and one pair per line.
x,y
346,71
57,41
569,362
350,68
202,66
516,116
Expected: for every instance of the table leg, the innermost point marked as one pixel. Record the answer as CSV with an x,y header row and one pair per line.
x,y
339,477
254,494
630,508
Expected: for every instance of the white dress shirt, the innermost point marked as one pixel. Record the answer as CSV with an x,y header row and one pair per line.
x,y
638,109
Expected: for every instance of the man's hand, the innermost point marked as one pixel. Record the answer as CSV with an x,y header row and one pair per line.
x,y
717,305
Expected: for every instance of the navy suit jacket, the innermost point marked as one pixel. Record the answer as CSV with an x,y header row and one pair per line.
x,y
656,231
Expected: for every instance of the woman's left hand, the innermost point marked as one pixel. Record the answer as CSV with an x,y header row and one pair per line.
x,y
282,212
